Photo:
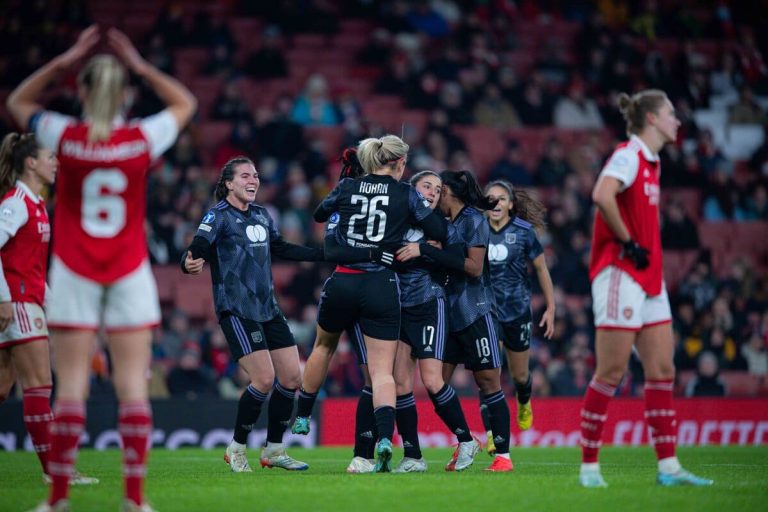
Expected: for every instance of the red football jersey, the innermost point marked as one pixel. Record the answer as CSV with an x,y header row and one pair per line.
x,y
100,204
637,168
25,255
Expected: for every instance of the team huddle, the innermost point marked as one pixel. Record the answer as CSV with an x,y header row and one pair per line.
x,y
432,272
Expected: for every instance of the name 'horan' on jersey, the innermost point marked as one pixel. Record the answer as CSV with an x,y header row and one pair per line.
x,y
375,212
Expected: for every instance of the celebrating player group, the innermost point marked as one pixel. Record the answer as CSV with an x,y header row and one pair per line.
x,y
432,272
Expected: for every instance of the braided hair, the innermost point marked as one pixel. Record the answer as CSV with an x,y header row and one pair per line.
x,y
228,174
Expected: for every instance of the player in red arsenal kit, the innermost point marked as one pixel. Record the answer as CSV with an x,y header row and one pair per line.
x,y
629,299
25,168
100,272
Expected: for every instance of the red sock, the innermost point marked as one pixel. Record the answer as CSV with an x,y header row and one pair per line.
x,y
660,415
37,418
593,416
134,422
66,428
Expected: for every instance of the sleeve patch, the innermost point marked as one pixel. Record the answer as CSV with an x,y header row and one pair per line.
x,y
209,218
204,227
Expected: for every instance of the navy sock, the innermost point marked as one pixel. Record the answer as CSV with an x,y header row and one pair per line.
x,y
448,407
385,421
408,425
498,412
365,425
280,411
524,390
248,410
306,403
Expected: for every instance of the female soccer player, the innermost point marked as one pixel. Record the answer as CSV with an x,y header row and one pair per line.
x,y
473,337
238,238
25,168
423,331
100,269
513,244
374,212
629,298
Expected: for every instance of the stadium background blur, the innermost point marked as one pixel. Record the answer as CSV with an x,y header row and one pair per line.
x,y
517,90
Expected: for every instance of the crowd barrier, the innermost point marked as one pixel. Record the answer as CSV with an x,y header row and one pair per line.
x,y
207,423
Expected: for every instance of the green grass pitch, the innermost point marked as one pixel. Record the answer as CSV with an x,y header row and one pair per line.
x,y
544,479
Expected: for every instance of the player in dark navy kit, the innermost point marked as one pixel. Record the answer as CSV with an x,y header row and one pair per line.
x,y
423,332
375,212
513,243
238,239
473,331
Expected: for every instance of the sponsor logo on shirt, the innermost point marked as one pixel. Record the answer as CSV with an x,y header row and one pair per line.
x,y
256,234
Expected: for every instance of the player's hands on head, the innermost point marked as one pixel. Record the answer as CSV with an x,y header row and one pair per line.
x,y
548,323
126,51
193,266
85,42
637,255
6,315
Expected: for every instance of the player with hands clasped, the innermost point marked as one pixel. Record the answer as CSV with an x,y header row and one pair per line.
x,y
630,301
100,273
237,238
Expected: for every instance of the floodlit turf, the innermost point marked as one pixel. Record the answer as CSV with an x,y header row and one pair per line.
x,y
544,479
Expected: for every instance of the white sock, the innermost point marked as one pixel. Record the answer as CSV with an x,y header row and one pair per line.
x,y
669,465
274,446
237,446
503,455
590,467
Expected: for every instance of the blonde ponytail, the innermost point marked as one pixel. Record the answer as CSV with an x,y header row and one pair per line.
x,y
104,79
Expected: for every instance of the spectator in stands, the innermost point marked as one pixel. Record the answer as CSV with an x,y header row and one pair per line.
x,y
553,167
427,21
573,378
242,141
494,111
220,63
534,107
707,381
726,79
754,352
756,204
511,166
576,111
678,231
268,61
378,49
177,332
747,110
700,286
314,107
230,105
188,378
280,137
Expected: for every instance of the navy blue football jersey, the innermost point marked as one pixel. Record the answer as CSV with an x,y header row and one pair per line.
x,y
374,211
241,268
470,297
510,250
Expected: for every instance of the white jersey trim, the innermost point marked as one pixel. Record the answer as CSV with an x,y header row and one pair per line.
x,y
50,127
161,132
13,214
623,166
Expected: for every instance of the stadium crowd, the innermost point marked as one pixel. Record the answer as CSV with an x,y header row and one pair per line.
x,y
508,68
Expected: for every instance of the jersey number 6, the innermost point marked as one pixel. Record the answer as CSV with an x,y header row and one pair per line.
x,y
103,211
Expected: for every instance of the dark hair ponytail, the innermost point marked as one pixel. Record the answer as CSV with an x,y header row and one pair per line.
x,y
524,205
350,165
13,151
464,186
227,174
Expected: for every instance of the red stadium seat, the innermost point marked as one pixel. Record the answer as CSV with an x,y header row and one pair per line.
x,y
716,236
330,137
282,274
166,277
194,295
